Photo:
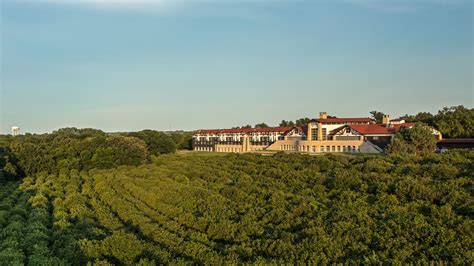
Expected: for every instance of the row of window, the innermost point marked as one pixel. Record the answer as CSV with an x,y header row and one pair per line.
x,y
348,137
203,148
230,139
225,149
305,148
228,149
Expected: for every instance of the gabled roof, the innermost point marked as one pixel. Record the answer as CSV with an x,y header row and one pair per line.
x,y
373,129
379,129
244,130
334,131
343,120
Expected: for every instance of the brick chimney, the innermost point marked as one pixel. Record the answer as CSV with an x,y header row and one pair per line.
x,y
323,115
386,119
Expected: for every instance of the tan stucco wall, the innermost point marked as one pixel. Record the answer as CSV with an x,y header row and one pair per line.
x,y
297,145
314,146
229,148
238,148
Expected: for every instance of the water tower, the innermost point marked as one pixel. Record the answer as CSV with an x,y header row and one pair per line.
x,y
15,131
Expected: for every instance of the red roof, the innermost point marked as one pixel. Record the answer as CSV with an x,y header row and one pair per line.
x,y
344,120
243,130
379,128
373,129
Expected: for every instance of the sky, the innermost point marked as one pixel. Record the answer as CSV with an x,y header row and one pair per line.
x,y
185,65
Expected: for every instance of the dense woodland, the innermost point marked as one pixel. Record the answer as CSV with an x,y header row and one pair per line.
x,y
79,196
210,209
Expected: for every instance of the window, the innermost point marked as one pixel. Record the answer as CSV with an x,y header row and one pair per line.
x,y
324,134
314,134
314,148
328,148
333,148
348,130
338,148
354,148
321,148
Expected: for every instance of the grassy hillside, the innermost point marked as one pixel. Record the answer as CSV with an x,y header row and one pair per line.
x,y
245,208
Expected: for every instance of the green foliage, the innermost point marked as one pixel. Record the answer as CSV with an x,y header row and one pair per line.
x,y
452,122
261,125
416,140
120,150
285,123
377,116
157,142
182,140
83,149
455,122
245,209
9,168
302,122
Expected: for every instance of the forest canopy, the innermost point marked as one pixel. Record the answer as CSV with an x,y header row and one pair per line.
x,y
230,209
84,149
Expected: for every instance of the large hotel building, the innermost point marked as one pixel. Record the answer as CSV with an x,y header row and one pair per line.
x,y
325,134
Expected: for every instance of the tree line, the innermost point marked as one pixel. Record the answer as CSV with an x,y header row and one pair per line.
x,y
84,149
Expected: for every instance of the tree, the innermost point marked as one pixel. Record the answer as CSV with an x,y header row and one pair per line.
x,y
285,123
455,122
156,142
417,140
182,140
408,118
424,117
378,116
120,150
261,125
302,122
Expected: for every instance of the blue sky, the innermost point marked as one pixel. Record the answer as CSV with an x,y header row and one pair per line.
x,y
161,64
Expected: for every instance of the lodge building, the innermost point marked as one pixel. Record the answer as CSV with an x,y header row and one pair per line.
x,y
325,134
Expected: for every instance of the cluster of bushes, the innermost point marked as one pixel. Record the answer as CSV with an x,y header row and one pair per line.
x,y
25,232
9,168
286,208
84,149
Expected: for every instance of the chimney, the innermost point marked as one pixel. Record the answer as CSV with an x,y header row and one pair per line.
x,y
323,115
386,119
